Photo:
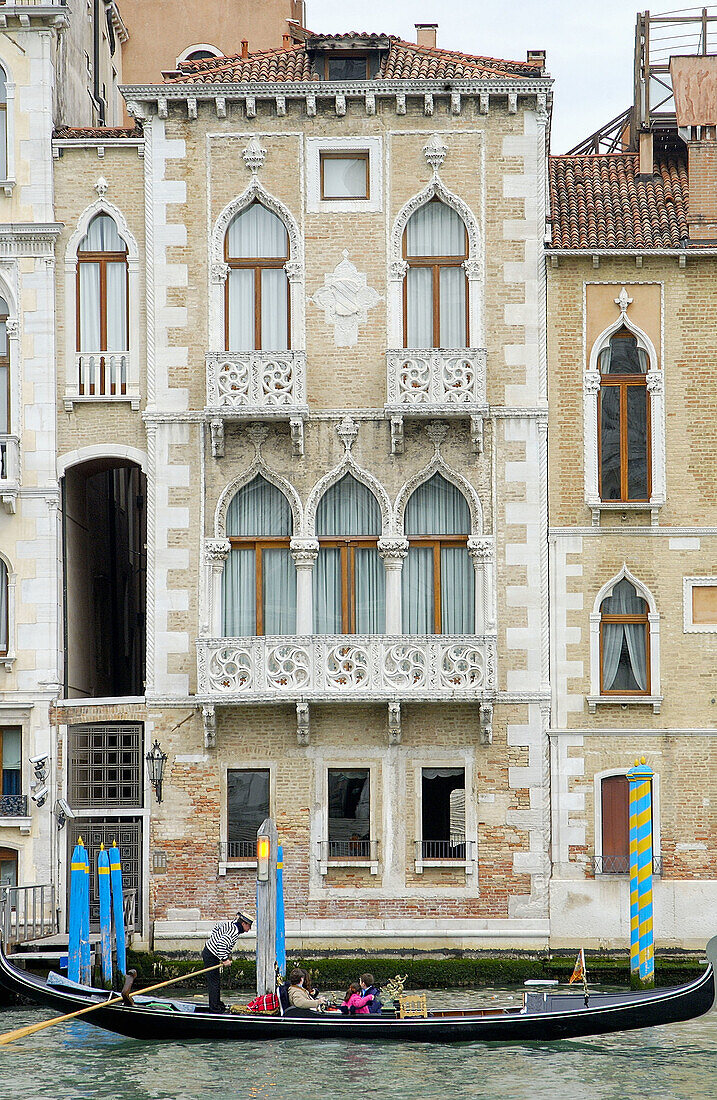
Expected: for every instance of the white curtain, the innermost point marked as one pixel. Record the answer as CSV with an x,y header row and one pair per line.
x,y
437,508
419,307
90,308
3,607
348,509
11,765
116,287
259,510
435,230
102,236
452,307
624,649
344,178
257,234
4,372
3,125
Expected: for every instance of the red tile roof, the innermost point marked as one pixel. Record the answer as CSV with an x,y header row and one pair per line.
x,y
401,61
81,133
601,201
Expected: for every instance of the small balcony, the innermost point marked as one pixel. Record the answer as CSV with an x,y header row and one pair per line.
x,y
377,668
620,865
454,852
102,376
9,471
256,385
348,853
436,382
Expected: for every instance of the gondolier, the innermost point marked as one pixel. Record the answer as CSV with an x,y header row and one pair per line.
x,y
218,949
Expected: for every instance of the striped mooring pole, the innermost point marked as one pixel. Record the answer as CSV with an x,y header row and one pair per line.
x,y
642,949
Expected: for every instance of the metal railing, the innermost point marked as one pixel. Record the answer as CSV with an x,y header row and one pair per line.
x,y
129,908
13,805
620,865
27,913
102,373
365,851
237,849
456,847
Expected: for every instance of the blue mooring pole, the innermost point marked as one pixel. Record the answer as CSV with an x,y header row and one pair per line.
x,y
77,871
118,907
103,876
85,959
280,922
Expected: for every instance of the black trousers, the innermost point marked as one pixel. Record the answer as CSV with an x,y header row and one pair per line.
x,y
213,979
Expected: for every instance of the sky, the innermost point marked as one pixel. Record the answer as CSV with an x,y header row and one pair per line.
x,y
589,44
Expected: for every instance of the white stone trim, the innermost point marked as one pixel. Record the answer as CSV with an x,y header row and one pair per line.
x,y
294,266
198,46
320,823
8,659
456,759
688,625
101,450
10,180
653,625
591,392
597,803
315,146
348,465
71,395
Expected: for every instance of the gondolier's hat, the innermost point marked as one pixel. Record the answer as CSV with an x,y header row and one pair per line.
x,y
244,920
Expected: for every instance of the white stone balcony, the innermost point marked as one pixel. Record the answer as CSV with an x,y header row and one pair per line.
x,y
321,667
102,376
9,471
436,382
257,385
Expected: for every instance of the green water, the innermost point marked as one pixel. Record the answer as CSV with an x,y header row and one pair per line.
x,y
75,1060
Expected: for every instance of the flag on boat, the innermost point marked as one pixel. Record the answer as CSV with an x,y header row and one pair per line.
x,y
578,974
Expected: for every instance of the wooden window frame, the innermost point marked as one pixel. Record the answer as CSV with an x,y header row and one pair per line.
x,y
2,732
257,264
623,382
5,362
343,55
348,154
655,839
259,545
606,618
437,542
4,650
348,546
10,855
436,263
103,259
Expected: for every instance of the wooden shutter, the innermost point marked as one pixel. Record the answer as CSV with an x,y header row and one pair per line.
x,y
615,825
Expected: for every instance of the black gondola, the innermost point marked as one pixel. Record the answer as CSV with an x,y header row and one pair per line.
x,y
544,1016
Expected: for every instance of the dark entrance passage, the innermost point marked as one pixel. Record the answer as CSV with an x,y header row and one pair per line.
x,y
104,566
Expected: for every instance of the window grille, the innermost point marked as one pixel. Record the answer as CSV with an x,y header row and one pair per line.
x,y
106,766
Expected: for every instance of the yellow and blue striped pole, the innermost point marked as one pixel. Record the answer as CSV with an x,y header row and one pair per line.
x,y
103,880
640,780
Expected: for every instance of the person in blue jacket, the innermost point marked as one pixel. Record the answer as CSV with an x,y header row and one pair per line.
x,y
367,986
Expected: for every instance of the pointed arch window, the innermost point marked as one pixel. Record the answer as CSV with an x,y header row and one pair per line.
x,y
102,314
435,305
624,421
259,578
624,642
256,305
4,374
3,125
349,578
438,577
4,610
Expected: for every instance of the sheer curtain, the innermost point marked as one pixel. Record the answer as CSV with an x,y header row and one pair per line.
x,y
257,234
4,371
435,230
11,762
90,308
3,608
435,509
624,645
259,510
349,509
3,124
102,236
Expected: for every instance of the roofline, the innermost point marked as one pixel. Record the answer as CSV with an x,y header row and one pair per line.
x,y
588,252
329,89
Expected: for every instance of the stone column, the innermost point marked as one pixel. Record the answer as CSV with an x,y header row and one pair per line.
x,y
481,551
304,552
216,552
393,551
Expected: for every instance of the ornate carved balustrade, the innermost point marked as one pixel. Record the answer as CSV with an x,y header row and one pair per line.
x,y
256,385
333,667
9,471
436,382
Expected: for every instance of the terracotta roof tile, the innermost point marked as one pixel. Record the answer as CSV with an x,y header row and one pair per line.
x,y
601,201
402,61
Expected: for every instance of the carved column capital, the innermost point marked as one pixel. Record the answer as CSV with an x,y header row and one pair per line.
x,y
393,551
304,552
216,551
219,272
591,381
480,549
654,380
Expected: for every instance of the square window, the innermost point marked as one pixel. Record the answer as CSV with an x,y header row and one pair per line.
x,y
700,605
443,814
345,175
247,808
346,67
349,797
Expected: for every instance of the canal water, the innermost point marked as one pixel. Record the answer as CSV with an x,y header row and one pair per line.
x,y
75,1061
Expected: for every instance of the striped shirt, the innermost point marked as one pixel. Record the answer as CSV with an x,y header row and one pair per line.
x,y
224,936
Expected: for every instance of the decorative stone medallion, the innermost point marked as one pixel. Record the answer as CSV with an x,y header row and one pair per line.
x,y
345,299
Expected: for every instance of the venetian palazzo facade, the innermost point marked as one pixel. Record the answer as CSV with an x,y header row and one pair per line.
x,y
300,359
633,548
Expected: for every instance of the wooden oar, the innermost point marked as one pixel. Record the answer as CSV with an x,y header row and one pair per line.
x,y
19,1033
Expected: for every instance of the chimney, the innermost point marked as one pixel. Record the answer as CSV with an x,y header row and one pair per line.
x,y
286,40
694,81
426,34
647,155
537,57
244,48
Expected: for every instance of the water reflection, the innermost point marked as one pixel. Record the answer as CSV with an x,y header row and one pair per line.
x,y
73,1061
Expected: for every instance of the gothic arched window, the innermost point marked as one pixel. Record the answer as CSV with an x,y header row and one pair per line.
x,y
435,245
256,304
102,314
624,642
624,420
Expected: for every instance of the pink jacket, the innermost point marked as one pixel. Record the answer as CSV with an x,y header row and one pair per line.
x,y
359,1003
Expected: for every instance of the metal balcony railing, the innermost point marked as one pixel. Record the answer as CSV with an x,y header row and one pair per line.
x,y
129,909
239,850
454,848
27,913
102,373
13,805
322,666
620,865
348,851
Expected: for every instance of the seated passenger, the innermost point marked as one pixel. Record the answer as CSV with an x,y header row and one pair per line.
x,y
367,986
299,995
354,1004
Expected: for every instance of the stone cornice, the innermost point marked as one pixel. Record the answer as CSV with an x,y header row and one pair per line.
x,y
27,239
34,16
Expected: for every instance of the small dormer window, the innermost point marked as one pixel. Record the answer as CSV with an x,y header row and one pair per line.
x,y
346,66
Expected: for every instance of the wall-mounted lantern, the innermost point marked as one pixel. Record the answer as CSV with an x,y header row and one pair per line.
x,y
156,759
